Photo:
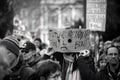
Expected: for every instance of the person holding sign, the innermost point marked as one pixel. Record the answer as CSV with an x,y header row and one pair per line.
x,y
68,63
67,43
71,64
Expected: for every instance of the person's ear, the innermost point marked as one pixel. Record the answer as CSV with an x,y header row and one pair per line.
x,y
42,78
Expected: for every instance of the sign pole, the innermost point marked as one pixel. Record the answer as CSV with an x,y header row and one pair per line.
x,y
84,2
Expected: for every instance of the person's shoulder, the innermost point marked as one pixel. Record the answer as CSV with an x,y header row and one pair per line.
x,y
102,73
26,69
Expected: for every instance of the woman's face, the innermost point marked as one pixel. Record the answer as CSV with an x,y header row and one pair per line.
x,y
37,43
103,63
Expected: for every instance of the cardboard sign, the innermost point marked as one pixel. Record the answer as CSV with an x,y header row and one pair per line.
x,y
69,40
96,15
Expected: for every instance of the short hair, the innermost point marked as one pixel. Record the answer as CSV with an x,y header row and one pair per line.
x,y
101,57
106,51
107,42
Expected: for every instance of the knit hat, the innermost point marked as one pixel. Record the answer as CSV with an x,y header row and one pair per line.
x,y
11,43
28,46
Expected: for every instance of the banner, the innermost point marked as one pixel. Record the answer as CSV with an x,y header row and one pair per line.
x,y
96,15
69,40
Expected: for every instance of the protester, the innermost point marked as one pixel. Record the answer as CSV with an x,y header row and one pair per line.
x,y
101,47
29,53
70,70
38,43
47,70
30,56
86,66
18,71
70,65
107,44
112,70
116,42
102,61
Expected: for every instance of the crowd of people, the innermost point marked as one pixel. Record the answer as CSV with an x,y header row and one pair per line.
x,y
37,61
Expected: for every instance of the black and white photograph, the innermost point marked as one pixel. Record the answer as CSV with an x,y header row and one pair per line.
x,y
59,39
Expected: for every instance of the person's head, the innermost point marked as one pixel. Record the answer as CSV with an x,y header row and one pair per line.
x,y
37,42
48,70
10,46
116,42
113,55
107,44
101,45
29,50
44,46
102,61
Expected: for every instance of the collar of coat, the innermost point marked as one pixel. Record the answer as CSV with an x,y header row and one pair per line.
x,y
107,70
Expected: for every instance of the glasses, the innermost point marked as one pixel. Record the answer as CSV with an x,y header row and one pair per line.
x,y
26,51
111,54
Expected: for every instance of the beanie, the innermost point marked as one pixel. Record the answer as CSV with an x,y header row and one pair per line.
x,y
29,46
12,44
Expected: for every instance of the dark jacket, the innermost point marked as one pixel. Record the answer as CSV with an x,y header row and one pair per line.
x,y
33,64
106,74
21,72
86,67
84,64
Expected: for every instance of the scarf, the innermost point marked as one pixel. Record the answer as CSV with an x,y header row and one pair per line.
x,y
72,75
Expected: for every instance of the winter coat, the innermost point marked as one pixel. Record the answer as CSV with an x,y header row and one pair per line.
x,y
21,72
106,74
86,67
34,64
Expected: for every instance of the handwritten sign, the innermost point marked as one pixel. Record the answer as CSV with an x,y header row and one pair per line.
x,y
96,15
70,40
57,1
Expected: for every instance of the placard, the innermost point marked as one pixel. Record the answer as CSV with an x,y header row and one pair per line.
x,y
69,40
96,15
